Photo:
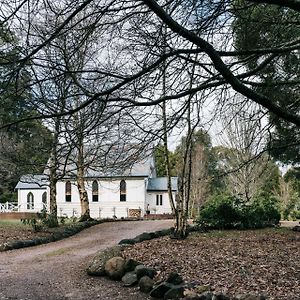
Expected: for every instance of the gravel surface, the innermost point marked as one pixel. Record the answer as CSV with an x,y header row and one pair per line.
x,y
57,270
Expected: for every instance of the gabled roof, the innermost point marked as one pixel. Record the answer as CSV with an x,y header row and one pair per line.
x,y
161,184
33,182
143,168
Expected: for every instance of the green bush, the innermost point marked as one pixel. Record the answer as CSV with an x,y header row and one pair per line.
x,y
261,212
8,197
220,212
295,215
227,212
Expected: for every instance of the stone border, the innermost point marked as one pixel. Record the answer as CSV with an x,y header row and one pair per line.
x,y
146,236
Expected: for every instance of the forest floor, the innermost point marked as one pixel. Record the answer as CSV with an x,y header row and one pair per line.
x,y
233,262
15,230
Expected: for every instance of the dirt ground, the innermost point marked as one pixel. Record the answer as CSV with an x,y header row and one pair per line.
x,y
57,270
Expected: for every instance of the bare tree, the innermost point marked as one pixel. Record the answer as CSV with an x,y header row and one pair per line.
x,y
130,34
245,166
128,52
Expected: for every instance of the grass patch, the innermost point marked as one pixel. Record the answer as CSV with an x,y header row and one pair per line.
x,y
58,252
12,223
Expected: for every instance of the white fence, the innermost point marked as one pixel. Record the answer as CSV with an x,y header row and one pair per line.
x,y
8,207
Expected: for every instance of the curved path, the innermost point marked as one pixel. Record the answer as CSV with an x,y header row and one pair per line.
x,y
57,270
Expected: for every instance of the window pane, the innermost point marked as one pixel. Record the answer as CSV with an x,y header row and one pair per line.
x,y
68,191
95,191
122,190
30,201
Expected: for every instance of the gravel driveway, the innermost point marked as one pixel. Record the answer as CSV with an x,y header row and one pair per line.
x,y
57,270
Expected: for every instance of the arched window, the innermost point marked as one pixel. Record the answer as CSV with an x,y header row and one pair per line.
x,y
122,190
95,191
68,191
44,200
30,201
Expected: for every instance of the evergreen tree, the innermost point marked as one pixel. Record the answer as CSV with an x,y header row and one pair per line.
x,y
24,147
267,26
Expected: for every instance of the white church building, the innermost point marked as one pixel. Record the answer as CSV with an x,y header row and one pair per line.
x,y
134,192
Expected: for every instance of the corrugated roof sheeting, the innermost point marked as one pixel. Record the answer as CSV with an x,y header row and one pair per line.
x,y
161,184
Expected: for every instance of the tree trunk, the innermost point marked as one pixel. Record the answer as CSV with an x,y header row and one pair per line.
x,y
83,196
52,187
53,205
180,230
84,201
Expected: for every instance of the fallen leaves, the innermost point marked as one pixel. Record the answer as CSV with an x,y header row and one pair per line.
x,y
238,262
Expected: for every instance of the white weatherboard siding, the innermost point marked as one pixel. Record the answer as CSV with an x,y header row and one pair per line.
x,y
165,208
37,199
109,203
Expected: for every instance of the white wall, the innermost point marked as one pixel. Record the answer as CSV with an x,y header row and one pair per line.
x,y
22,199
109,199
159,209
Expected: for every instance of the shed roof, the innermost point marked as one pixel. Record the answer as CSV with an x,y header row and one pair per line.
x,y
161,184
30,181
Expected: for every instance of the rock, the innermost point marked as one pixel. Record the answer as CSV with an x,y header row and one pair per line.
x,y
130,265
220,296
174,278
141,271
190,295
127,242
129,279
146,284
160,290
163,232
97,266
176,292
143,237
114,267
205,296
296,228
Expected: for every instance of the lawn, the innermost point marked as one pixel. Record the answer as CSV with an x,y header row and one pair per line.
x,y
233,262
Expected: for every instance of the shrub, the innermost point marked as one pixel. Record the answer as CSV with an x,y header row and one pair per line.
x,y
227,212
295,215
8,197
261,212
220,212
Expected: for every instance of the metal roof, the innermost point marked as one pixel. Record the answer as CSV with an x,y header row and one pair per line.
x,y
161,184
143,168
32,182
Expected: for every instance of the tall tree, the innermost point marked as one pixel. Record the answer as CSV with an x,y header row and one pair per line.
x,y
24,147
202,167
269,26
247,168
